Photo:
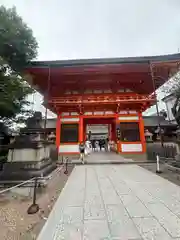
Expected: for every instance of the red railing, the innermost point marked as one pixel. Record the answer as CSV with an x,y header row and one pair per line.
x,y
102,99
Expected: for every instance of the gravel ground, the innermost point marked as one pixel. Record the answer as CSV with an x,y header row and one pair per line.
x,y
166,173
16,224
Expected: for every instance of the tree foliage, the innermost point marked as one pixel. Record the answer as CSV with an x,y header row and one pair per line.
x,y
17,47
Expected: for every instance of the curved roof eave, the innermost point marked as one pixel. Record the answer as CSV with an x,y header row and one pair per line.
x,y
99,61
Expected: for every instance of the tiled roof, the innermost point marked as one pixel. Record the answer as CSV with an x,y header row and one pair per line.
x,y
152,121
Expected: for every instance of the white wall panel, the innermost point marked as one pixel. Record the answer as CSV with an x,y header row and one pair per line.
x,y
69,120
65,114
98,113
109,112
128,118
123,112
88,113
133,112
74,114
136,147
68,148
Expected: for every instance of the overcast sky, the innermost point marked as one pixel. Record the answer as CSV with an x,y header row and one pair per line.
x,y
67,29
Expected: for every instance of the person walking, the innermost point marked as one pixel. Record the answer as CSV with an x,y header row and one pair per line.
x,y
106,144
82,150
97,145
101,144
87,147
93,145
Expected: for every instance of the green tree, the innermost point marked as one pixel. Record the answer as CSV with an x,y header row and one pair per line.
x,y
17,48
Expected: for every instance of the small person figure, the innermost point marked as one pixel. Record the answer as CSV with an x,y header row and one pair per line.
x,y
97,145
82,150
101,144
87,147
107,148
93,145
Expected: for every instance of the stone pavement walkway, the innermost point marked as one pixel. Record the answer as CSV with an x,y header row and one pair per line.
x,y
104,157
115,202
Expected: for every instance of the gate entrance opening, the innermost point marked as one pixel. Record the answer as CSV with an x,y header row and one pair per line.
x,y
100,128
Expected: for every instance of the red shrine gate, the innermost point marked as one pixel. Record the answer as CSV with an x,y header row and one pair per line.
x,y
114,120
104,91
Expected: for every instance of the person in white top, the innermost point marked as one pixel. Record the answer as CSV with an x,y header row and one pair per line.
x,y
87,147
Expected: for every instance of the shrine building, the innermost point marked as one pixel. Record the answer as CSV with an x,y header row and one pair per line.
x,y
112,92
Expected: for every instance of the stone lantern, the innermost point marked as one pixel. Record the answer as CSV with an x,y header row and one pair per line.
x,y
29,153
160,133
148,135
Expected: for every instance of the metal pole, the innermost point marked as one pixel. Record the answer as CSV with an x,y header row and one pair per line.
x,y
62,160
157,107
66,166
157,165
46,100
34,195
34,208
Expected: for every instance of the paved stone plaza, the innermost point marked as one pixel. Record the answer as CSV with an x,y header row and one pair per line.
x,y
115,202
103,157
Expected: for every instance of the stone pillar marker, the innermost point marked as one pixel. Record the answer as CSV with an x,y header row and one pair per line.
x,y
29,153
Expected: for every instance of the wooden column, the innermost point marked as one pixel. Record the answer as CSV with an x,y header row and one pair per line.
x,y
113,130
58,130
81,132
141,131
84,131
110,131
118,141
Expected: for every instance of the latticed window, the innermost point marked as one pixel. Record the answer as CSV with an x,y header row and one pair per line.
x,y
129,132
69,133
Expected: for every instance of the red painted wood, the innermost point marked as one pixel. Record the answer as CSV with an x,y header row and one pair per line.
x,y
58,131
98,120
101,102
81,131
136,76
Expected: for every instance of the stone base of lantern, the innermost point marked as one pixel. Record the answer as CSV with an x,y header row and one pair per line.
x,y
27,163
